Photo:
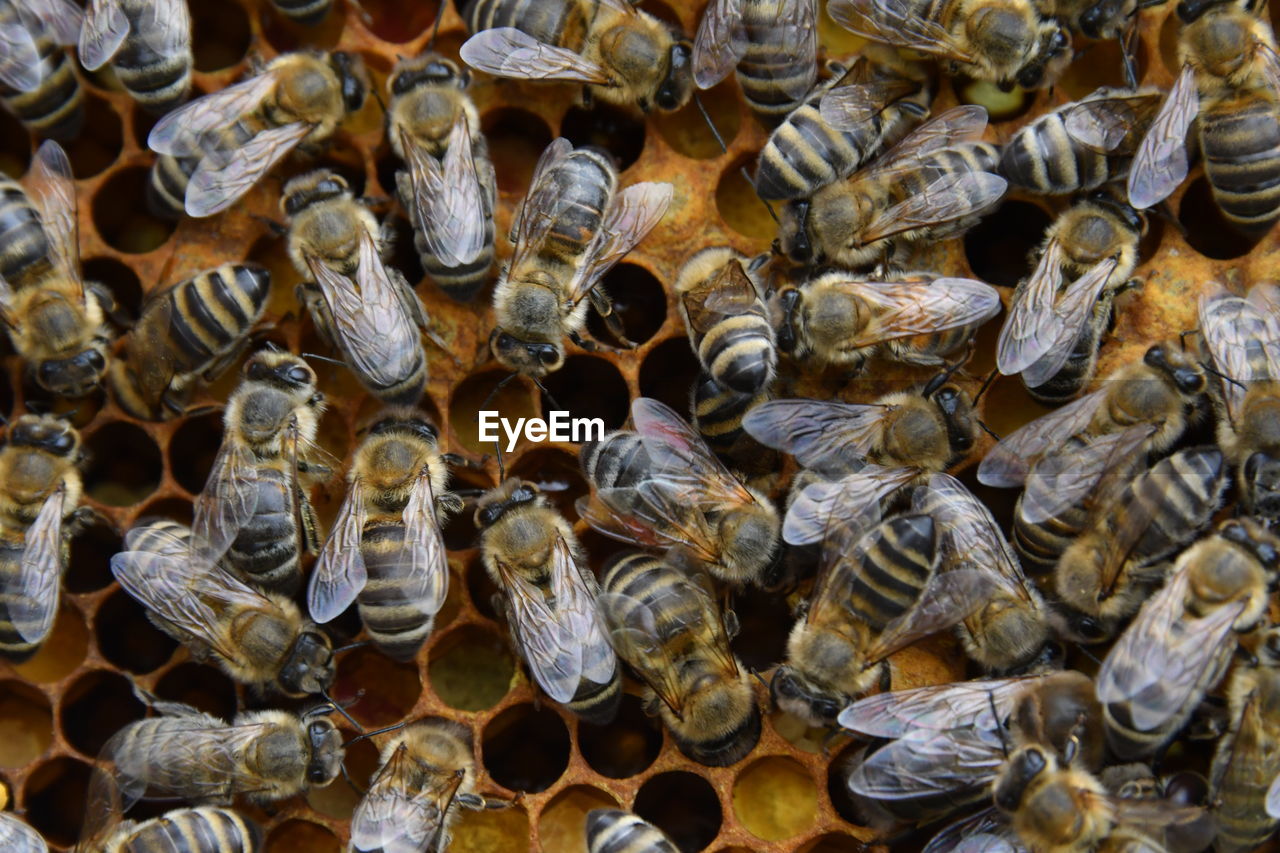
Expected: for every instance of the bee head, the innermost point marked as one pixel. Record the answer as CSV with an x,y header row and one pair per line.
x,y
507,497
312,188
1261,473
1020,772
45,432
1253,538
792,692
957,413
309,668
409,422
74,376
532,358
1183,372
324,742
427,70
677,83
352,77
282,370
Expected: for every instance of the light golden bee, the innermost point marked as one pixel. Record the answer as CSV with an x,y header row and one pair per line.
x,y
147,42
773,45
38,82
208,829
616,831
725,314
619,53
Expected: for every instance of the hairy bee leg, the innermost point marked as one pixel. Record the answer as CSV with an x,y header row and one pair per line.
x,y
592,345
309,297
604,307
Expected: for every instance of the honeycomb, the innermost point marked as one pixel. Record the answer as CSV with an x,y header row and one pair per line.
x,y
57,709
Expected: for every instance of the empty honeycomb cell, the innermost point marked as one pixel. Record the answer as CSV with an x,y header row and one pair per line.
x,y
285,35
607,127
998,246
683,805
492,830
1206,229
398,22
270,251
526,748
475,393
120,213
201,686
517,139
193,448
686,129
339,799
26,724
667,373
120,280
126,638
481,589
220,34
562,826
386,689
101,141
625,747
1000,105
124,465
62,652
835,842
775,798
95,707
639,301
764,623
470,668
296,835
1101,63
841,764
15,146
739,206
89,568
587,387
404,256
54,798
556,473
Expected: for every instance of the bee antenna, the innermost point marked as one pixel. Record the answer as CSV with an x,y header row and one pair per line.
x,y
435,28
67,416
38,407
995,715
988,430
986,383
382,731
1222,376
352,782
546,393
319,357
1090,655
349,646
712,125
341,710
272,345
497,443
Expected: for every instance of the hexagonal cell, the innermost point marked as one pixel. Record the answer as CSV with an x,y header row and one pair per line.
x,y
295,835
1206,229
124,464
587,387
390,688
470,668
482,589
404,255
775,798
624,747
101,141
686,129
54,796
26,724
220,34
192,449
838,769
201,686
89,568
638,300
605,126
998,246
127,638
798,733
1102,65
667,373
562,826
836,842
397,22
285,34
96,706
175,509
493,829
338,799
514,400
683,805
517,139
121,217
739,206
526,748
61,652
556,473
119,279
762,638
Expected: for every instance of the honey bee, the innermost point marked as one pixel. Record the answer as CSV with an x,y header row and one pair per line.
x,y
258,638
38,83
660,487
56,321
208,829
620,54
717,416
188,331
359,305
426,772
935,183
548,598
147,42
1243,339
1230,84
386,550
573,226
616,831
773,44
1061,311
15,835
1246,765
1179,645
449,187
843,124
664,622
254,509
1164,393
727,320
39,513
220,145
1001,43
305,12
1081,145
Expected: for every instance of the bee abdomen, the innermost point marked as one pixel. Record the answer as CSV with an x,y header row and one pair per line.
x,y
23,244
1179,495
718,412
205,830
159,83
597,703
740,353
55,108
562,24
894,570
805,154
307,12
212,312
1042,158
1129,742
616,831
12,644
1242,163
1040,544
583,182
464,282
616,461
266,549
766,72
167,185
395,619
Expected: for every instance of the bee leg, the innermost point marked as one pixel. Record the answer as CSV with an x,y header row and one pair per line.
x,y
310,298
600,301
478,801
591,345
277,229
107,301
886,676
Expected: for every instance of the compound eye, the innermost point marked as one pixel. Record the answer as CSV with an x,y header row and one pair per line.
x,y
95,360
300,375
256,370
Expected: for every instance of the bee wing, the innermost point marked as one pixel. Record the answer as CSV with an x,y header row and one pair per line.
x,y
905,309
634,635
228,501
938,707
165,27
850,106
105,28
825,435
946,199
729,293
895,22
1032,325
632,214
862,492
1161,162
1009,462
219,181
1060,480
54,193
945,130
17,837
681,462
447,197
1110,125
1072,311
1268,65
1160,825
649,519
539,209
60,18
720,44
950,598
1234,329
1273,798
424,560
576,602
20,66
394,818
340,574
508,52
34,604
182,132
985,832
926,764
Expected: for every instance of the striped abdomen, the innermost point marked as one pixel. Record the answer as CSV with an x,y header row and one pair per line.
x,y
156,81
12,645
1241,147
597,703
267,548
648,579
1079,367
767,70
617,461
464,282
55,108
616,831
582,184
718,412
204,830
306,12
1041,543
1043,159
893,571
167,183
394,615
1246,759
24,249
739,351
559,22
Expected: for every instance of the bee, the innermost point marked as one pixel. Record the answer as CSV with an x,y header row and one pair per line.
x,y
39,513
38,82
305,12
935,183
843,124
426,772
660,487
1081,145
208,829
717,416
727,320
1061,311
449,187
573,226
1230,84
15,835
258,638
1243,339
620,54
147,42
548,599
1001,43
1246,764
773,44
188,331
664,622
1179,645
56,321
616,831
838,319
386,550
1115,564
220,145
359,305
254,509
1164,393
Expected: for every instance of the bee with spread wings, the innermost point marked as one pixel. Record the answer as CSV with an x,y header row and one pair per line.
x,y
772,43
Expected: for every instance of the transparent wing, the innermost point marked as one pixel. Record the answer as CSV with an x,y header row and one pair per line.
x,y
182,132
20,66
1009,462
950,598
1111,125
60,18
720,44
926,763
651,518
795,35
808,515
1032,325
165,27
54,193
1073,311
1161,164
632,214
634,634
1273,798
35,602
906,309
17,837
576,603
985,832
1243,342
508,52
448,201
537,211
228,501
944,200
945,130
424,564
219,181
728,294
1059,481
394,818
981,704
339,573
681,461
105,28
896,22
824,435
850,106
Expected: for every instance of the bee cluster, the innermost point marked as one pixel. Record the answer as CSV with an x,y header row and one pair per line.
x,y
856,561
